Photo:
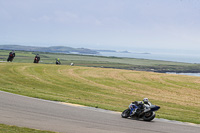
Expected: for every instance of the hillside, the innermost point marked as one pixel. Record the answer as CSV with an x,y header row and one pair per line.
x,y
111,89
53,49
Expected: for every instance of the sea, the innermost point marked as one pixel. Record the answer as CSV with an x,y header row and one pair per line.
x,y
186,56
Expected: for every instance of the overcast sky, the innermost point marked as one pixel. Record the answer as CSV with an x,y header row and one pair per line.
x,y
101,24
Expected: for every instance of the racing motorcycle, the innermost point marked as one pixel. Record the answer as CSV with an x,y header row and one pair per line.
x,y
58,62
147,113
11,56
36,60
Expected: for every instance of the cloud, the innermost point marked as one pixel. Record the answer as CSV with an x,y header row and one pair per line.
x,y
57,16
64,16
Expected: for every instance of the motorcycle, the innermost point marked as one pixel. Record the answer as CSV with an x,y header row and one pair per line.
x,y
147,113
58,62
11,57
36,60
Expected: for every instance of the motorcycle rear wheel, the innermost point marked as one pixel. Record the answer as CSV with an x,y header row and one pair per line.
x,y
149,116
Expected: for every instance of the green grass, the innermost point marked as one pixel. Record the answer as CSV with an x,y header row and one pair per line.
x,y
103,62
14,129
112,89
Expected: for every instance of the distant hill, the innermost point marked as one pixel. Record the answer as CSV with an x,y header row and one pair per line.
x,y
54,49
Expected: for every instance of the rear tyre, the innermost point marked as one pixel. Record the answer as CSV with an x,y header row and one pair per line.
x,y
149,116
126,113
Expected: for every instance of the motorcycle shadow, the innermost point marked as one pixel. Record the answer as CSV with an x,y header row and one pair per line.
x,y
138,119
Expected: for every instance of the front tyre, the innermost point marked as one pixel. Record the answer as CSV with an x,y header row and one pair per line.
x,y
126,113
149,116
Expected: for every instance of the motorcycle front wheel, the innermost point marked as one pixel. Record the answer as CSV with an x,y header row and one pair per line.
x,y
126,113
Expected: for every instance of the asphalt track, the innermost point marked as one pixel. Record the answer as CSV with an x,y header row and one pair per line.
x,y
59,117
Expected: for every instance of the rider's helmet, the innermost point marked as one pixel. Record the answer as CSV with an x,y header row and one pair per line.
x,y
145,100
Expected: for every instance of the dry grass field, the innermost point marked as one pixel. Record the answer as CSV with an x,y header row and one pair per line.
x,y
112,89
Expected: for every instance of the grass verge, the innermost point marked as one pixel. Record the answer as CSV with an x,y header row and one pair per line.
x,y
112,89
14,129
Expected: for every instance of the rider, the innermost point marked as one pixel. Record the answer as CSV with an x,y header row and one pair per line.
x,y
137,105
146,102
58,61
12,54
37,58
